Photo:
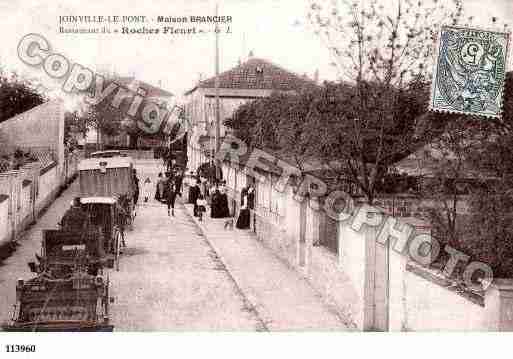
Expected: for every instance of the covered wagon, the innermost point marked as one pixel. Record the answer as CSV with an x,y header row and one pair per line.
x,y
109,177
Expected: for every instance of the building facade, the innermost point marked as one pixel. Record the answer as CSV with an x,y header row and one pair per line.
x,y
256,78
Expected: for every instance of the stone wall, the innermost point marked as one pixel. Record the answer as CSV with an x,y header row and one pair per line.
x,y
28,191
368,284
40,127
48,187
274,236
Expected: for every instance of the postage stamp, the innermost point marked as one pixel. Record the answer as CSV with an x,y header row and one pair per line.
x,y
470,71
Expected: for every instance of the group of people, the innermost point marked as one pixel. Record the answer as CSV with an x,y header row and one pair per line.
x,y
203,191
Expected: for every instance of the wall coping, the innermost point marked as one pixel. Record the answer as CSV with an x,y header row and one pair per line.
x,y
47,168
436,277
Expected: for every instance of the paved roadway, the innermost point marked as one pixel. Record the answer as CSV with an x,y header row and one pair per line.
x,y
169,278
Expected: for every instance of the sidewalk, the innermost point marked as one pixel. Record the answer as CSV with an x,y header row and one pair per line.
x,y
280,296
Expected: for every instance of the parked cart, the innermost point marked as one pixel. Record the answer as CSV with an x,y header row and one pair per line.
x,y
78,303
109,177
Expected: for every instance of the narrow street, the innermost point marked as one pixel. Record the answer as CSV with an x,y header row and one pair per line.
x,y
169,278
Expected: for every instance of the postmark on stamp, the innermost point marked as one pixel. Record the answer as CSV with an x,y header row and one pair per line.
x,y
470,71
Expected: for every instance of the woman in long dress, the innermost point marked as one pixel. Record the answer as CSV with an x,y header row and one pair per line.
x,y
191,182
159,193
244,215
224,209
214,207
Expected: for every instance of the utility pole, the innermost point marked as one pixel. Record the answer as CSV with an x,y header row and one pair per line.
x,y
218,119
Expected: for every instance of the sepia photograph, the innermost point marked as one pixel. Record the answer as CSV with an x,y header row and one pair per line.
x,y
233,167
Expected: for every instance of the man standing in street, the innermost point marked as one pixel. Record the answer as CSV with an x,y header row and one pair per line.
x,y
170,196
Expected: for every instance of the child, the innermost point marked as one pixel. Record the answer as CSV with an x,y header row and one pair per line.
x,y
147,189
201,207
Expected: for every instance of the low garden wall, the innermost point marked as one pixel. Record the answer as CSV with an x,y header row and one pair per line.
x,y
368,284
26,192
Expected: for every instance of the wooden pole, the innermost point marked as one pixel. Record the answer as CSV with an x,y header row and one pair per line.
x,y
218,120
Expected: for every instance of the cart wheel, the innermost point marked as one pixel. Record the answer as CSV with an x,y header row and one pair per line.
x,y
117,244
131,218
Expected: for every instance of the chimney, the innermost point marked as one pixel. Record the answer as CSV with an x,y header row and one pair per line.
x,y
316,76
250,54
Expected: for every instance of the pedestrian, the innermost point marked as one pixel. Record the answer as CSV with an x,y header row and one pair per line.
x,y
243,221
202,207
179,182
224,209
122,217
251,197
190,180
159,193
170,196
147,188
215,202
195,193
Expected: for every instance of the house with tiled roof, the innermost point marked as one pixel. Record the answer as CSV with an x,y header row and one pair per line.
x,y
250,80
150,92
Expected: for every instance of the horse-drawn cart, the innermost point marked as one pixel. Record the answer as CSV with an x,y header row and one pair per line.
x,y
77,303
109,177
107,220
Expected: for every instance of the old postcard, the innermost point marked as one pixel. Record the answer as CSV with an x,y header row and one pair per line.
x,y
255,166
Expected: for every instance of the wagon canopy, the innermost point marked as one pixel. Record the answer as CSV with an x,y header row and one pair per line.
x,y
106,177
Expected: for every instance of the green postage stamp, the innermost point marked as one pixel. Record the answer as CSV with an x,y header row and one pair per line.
x,y
470,71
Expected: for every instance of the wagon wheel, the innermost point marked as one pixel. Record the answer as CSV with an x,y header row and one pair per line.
x,y
107,298
117,247
131,216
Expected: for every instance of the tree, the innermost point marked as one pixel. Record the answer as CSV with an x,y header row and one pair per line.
x,y
383,49
450,178
472,166
283,124
491,205
105,119
16,96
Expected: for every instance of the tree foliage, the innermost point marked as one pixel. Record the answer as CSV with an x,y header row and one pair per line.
x,y
16,96
384,49
316,127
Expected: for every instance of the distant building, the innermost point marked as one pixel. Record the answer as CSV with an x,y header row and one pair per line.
x,y
150,92
253,79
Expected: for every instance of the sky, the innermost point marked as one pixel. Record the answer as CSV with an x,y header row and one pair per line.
x,y
275,30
